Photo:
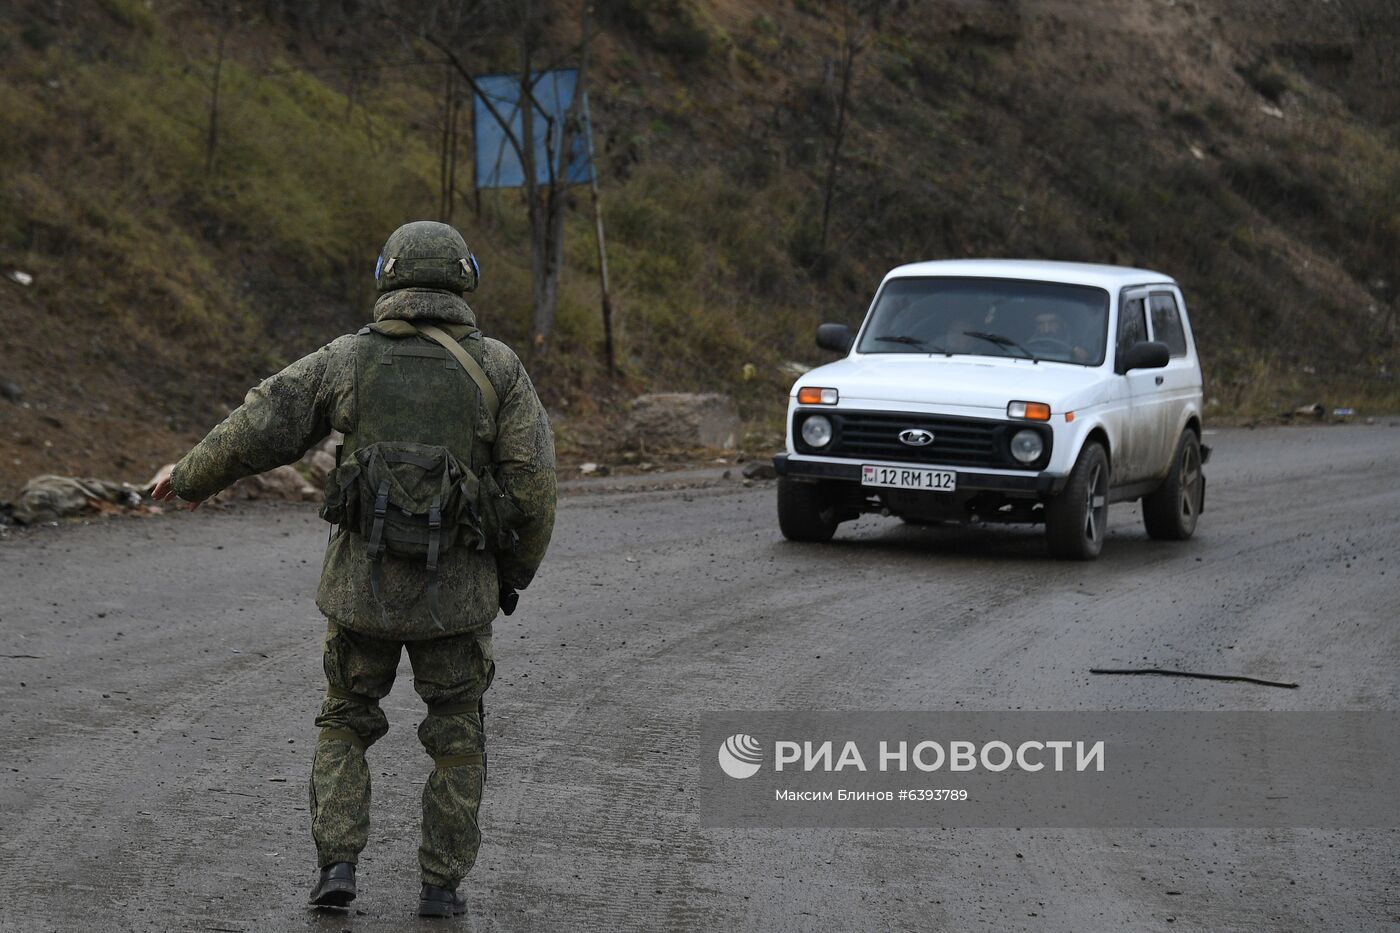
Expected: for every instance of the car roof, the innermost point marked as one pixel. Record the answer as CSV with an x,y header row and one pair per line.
x,y
1076,273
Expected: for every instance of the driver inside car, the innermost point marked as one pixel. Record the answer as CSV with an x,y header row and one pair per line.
x,y
1052,335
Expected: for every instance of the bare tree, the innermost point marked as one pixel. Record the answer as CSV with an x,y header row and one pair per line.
x,y
226,12
545,185
447,165
860,19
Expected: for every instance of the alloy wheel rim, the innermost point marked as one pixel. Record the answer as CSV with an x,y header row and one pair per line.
x,y
1190,482
1096,505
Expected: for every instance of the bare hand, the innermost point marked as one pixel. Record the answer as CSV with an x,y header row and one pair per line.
x,y
164,491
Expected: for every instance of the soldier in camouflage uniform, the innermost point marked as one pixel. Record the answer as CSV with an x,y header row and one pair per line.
x,y
444,499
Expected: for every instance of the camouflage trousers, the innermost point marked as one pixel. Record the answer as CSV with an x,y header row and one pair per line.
x,y
450,674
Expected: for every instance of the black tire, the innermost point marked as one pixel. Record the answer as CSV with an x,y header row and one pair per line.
x,y
1170,513
805,511
1076,520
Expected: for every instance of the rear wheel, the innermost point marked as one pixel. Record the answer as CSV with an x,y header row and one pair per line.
x,y
806,511
1170,513
1077,519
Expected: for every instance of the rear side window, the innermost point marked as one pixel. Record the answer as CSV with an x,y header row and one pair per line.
x,y
1166,323
1132,324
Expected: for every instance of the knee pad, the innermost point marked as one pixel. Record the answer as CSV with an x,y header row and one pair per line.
x,y
452,734
352,717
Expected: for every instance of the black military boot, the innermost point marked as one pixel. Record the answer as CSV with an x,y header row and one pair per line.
x,y
336,887
440,902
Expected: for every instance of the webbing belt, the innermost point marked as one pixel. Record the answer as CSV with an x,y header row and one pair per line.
x,y
375,548
376,534
434,541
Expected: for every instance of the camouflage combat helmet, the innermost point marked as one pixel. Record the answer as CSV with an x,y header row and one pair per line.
x,y
426,254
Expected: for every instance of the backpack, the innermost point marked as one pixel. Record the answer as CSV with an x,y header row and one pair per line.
x,y
412,479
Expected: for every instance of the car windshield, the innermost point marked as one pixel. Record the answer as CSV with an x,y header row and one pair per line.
x,y
990,317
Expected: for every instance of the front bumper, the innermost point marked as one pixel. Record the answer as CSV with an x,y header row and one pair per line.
x,y
1039,484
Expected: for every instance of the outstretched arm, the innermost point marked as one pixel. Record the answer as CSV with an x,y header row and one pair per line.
x,y
278,421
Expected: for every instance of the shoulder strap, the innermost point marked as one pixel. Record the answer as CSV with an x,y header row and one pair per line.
x,y
473,368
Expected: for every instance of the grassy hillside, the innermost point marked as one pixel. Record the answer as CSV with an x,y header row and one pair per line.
x,y
1250,148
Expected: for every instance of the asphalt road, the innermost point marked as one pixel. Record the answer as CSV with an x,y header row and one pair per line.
x,y
159,677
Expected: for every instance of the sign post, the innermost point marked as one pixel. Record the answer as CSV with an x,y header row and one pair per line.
x,y
497,165
609,355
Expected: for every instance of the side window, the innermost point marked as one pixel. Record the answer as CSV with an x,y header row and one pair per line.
x,y
1132,324
1166,323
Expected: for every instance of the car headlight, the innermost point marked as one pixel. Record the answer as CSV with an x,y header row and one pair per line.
x,y
1026,446
816,431
1030,411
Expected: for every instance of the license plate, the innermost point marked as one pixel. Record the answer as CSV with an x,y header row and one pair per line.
x,y
907,478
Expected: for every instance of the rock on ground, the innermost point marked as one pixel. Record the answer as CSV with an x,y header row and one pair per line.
x,y
284,482
683,420
759,469
319,461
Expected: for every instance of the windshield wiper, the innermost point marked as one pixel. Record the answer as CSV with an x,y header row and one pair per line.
x,y
913,342
1001,341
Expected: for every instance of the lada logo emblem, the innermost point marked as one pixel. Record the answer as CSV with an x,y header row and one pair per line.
x,y
916,437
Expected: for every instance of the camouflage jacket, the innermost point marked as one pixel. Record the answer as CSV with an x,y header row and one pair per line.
x,y
293,410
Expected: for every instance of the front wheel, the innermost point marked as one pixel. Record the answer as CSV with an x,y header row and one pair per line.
x,y
806,511
1171,512
1077,519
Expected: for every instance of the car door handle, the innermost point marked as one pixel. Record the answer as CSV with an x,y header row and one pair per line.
x,y
1158,380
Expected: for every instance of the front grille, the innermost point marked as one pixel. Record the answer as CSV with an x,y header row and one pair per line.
x,y
874,435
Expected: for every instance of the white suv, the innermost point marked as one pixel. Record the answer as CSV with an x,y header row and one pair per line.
x,y
1002,391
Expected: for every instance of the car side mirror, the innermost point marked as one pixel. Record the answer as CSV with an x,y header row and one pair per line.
x,y
1145,354
835,337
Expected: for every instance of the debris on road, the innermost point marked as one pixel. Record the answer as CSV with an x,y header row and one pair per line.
x,y
1166,672
21,278
49,498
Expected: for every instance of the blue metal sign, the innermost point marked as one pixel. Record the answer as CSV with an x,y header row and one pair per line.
x,y
497,162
